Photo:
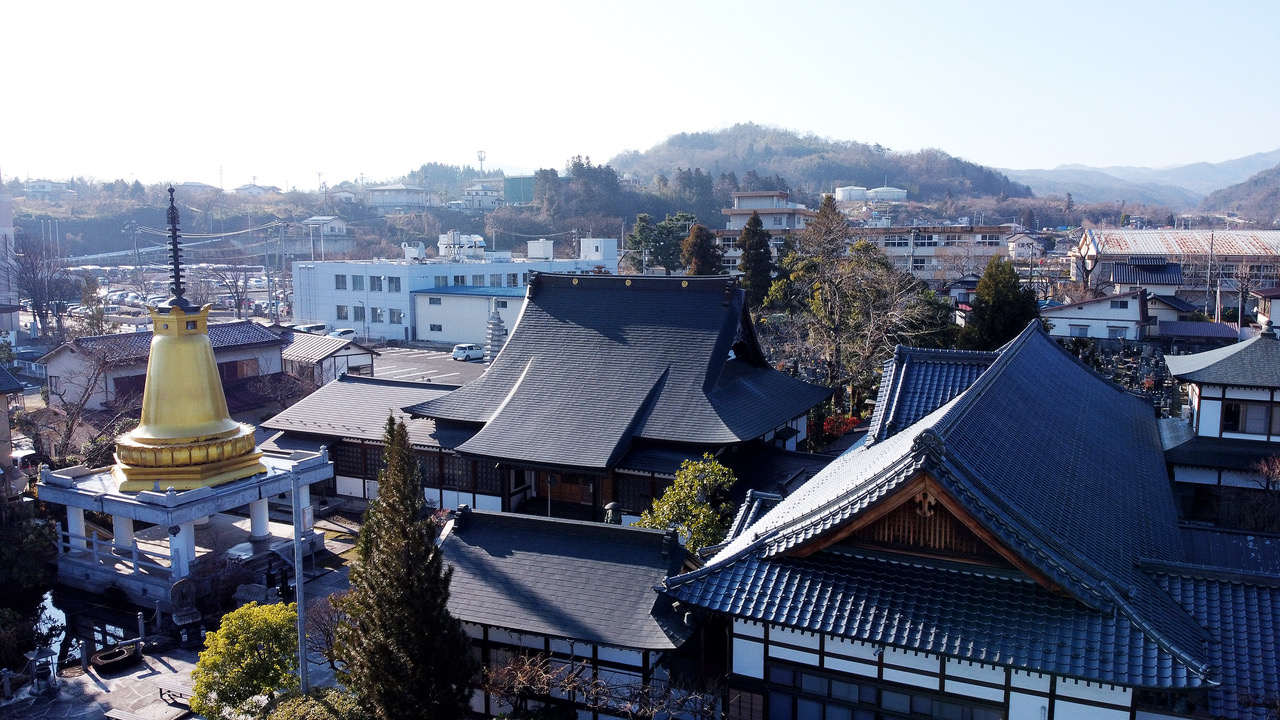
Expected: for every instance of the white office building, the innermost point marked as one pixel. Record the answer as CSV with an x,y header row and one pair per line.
x,y
381,299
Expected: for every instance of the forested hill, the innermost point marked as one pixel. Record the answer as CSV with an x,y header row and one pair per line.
x,y
816,164
1257,198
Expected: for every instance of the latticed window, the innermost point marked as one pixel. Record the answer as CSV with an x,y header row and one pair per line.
x,y
457,472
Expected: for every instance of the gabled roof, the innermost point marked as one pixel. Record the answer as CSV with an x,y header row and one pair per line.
x,y
597,361
357,408
1146,273
1174,302
585,581
917,381
1100,299
1250,363
1060,469
1197,329
305,347
135,347
8,384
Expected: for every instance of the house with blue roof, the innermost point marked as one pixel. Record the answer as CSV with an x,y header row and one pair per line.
x,y
1005,544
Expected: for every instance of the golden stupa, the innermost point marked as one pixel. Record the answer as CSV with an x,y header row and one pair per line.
x,y
186,438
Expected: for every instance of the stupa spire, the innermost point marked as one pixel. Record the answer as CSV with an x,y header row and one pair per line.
x,y
175,258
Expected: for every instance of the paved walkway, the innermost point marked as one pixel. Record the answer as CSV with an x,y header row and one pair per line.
x,y
90,695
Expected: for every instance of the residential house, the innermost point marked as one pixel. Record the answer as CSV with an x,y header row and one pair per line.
x,y
578,593
48,190
479,198
978,564
607,383
1116,317
256,190
1234,398
1157,275
1024,247
319,359
399,198
1262,300
103,370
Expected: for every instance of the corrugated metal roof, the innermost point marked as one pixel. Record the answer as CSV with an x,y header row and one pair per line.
x,y
1178,243
136,346
305,347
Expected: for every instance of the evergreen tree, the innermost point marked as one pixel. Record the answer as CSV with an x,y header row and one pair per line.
x,y
697,503
666,249
1002,307
756,262
406,656
700,253
253,655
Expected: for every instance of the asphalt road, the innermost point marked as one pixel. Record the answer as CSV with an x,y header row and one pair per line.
x,y
425,366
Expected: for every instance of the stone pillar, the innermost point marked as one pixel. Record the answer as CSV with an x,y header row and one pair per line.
x,y
304,502
188,536
180,561
258,520
75,526
122,527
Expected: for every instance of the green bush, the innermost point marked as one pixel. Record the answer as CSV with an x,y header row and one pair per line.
x,y
324,703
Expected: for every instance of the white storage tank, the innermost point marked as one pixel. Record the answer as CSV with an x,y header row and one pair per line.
x,y
850,193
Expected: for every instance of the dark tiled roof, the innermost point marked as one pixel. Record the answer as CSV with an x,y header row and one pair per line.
x,y
597,361
764,467
583,581
1063,468
1245,552
135,347
1224,453
963,611
917,381
658,460
1146,273
752,508
357,407
1244,618
8,384
305,347
1193,329
1176,303
1251,363
1266,293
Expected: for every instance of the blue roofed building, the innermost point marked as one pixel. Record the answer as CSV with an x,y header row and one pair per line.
x,y
1004,545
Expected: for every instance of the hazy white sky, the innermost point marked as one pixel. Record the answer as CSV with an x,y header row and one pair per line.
x,y
221,92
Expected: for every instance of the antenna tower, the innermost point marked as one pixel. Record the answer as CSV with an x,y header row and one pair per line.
x,y
480,154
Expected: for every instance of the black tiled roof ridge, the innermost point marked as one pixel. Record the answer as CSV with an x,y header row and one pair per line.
x,y
947,354
1210,572
1197,665
392,382
698,283
536,520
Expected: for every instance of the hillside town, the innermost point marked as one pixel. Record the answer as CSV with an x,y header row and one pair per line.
x,y
833,460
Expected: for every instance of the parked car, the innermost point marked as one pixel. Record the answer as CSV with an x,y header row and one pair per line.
x,y
315,328
344,333
467,352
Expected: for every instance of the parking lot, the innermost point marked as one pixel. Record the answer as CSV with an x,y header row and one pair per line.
x,y
425,366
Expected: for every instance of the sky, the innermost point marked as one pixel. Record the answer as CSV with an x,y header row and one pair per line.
x,y
295,94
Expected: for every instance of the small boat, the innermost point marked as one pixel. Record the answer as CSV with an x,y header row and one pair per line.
x,y
115,658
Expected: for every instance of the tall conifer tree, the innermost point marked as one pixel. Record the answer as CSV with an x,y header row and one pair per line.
x,y
1002,307
700,253
406,656
756,262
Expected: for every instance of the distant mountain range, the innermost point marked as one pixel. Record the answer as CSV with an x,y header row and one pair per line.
x,y
1182,187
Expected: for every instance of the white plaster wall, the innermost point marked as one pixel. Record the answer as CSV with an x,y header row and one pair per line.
x,y
1198,476
1027,707
1237,393
1210,422
748,658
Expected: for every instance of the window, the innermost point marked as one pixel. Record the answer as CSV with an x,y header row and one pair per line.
x,y
375,283
953,239
55,384
1250,418
927,241
459,279
397,316
500,303
511,280
442,281
917,263
477,280
897,241
376,315
777,221
1117,333
1119,304
341,314
437,328
357,313
433,301
495,280
357,282
393,283
1080,331
524,279
339,282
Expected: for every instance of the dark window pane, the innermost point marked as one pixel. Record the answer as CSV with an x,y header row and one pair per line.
x,y
844,690
947,711
808,709
863,715
867,694
782,676
813,684
837,712
921,704
897,702
987,714
780,706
